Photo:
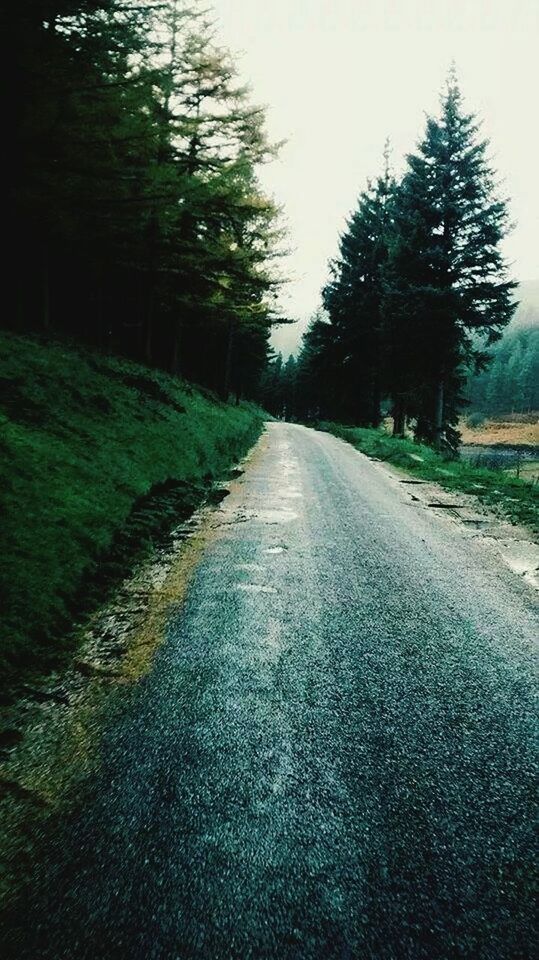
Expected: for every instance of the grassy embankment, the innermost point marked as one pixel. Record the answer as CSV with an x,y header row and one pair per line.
x,y
99,457
515,499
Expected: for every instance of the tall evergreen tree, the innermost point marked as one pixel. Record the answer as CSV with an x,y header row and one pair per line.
x,y
209,248
446,280
80,135
141,221
318,369
353,300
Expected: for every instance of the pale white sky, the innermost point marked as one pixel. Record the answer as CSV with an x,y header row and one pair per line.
x,y
339,76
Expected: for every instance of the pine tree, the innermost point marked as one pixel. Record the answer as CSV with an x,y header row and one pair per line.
x,y
81,136
530,372
290,388
353,300
447,280
497,390
142,224
214,247
318,372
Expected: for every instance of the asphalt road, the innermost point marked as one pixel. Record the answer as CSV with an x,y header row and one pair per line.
x,y
334,754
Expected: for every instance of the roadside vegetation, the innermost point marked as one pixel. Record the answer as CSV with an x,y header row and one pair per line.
x,y
516,499
99,457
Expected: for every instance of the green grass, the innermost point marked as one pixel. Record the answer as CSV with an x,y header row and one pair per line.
x,y
518,500
97,457
528,470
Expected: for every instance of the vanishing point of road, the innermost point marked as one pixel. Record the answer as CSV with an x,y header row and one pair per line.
x,y
333,756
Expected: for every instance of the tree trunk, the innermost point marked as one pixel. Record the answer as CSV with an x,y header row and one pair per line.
x,y
439,415
399,418
100,335
147,325
228,362
176,349
46,292
376,400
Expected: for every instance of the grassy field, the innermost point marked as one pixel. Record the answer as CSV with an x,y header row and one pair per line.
x,y
527,470
98,457
517,500
512,431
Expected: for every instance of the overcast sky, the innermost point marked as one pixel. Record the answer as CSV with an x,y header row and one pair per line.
x,y
339,76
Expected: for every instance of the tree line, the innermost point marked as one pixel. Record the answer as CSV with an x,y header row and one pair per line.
x,y
418,293
139,224
510,384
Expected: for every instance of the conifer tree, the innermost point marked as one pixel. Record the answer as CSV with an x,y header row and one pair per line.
x,y
353,300
318,371
142,224
212,249
446,279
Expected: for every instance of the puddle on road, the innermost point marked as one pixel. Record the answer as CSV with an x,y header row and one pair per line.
x,y
272,490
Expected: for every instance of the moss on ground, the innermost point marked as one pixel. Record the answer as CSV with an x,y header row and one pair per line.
x,y
516,499
97,457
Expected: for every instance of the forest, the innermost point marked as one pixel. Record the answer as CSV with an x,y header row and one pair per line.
x,y
140,225
510,383
417,299
141,229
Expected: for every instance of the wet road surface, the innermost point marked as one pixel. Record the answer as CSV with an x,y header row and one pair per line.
x,y
333,756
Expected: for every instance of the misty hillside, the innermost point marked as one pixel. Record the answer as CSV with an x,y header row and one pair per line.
x,y
527,313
